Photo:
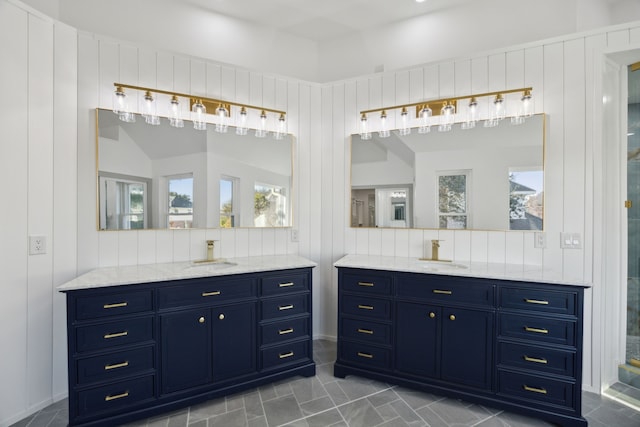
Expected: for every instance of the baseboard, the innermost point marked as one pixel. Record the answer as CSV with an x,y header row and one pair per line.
x,y
27,412
331,338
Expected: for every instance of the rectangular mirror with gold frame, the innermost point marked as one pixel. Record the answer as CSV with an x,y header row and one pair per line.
x,y
154,177
484,178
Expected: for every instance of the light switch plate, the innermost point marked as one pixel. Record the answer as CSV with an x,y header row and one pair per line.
x,y
540,240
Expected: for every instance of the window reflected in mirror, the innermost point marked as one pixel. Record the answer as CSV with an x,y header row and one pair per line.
x,y
228,187
270,205
123,202
525,199
453,206
180,214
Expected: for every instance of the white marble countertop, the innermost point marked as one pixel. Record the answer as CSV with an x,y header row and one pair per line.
x,y
524,273
146,273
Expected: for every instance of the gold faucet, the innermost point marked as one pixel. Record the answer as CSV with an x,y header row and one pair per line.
x,y
210,244
435,244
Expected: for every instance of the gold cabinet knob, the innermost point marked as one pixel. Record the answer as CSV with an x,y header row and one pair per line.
x,y
432,315
452,317
221,317
201,320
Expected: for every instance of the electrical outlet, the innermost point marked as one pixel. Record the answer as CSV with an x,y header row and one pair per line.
x,y
570,240
294,235
540,241
37,245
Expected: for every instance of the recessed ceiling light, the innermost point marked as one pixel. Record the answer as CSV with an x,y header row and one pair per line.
x,y
420,1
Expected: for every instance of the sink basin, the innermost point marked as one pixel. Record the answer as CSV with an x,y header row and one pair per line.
x,y
217,264
441,265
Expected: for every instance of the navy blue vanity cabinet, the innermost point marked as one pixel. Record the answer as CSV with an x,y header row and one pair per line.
x,y
510,345
135,351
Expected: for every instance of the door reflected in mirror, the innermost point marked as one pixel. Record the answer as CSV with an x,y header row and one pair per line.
x,y
480,178
166,177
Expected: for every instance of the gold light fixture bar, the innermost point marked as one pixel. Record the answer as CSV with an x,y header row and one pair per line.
x,y
210,103
451,101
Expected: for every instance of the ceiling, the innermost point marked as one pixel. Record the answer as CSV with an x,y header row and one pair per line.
x,y
321,20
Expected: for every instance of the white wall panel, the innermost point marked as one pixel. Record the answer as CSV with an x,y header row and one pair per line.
x,y
40,210
128,248
65,199
14,400
574,152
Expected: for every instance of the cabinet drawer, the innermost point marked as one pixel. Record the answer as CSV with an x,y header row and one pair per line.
x,y
541,300
553,361
362,305
557,331
285,306
285,283
534,388
285,330
445,289
365,355
115,397
208,291
367,282
113,304
366,331
112,334
285,354
115,365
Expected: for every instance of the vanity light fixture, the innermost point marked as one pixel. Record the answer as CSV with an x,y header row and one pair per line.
x,y
449,112
404,120
175,117
425,119
384,131
199,108
365,135
241,126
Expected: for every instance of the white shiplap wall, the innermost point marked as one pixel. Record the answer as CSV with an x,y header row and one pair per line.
x,y
55,77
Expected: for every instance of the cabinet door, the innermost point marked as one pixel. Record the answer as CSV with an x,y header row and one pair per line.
x,y
186,349
234,341
417,338
466,347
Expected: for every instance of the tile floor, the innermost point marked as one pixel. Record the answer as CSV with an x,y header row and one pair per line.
x,y
324,401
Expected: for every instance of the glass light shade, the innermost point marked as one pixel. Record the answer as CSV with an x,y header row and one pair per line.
x,y
527,105
120,101
149,110
127,117
384,131
472,115
282,127
262,132
425,120
365,135
198,111
222,114
241,126
175,117
497,112
404,120
447,117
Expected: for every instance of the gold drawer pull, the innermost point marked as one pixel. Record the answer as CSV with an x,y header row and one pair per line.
x,y
536,330
442,292
116,366
285,285
368,284
211,294
366,331
365,355
365,307
534,390
285,307
536,301
285,331
117,396
285,355
116,335
535,360
116,305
